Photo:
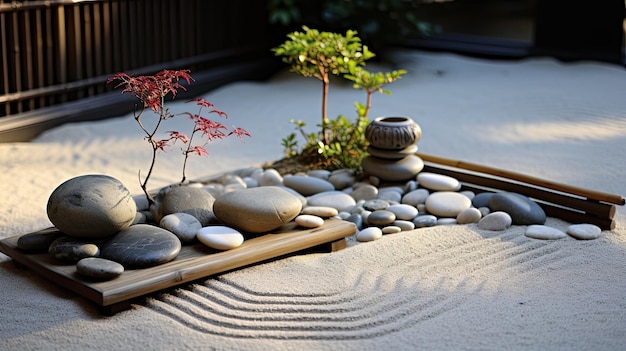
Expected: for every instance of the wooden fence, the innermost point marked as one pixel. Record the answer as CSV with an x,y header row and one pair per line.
x,y
59,51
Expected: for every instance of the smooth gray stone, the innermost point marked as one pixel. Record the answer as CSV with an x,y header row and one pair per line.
x,y
392,154
306,185
364,192
523,210
470,215
356,219
342,178
495,221
91,206
257,210
194,201
404,225
335,199
381,217
393,170
482,199
72,250
183,225
99,268
423,221
415,197
39,241
141,246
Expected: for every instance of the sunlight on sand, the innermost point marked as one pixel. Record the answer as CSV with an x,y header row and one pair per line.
x,y
598,129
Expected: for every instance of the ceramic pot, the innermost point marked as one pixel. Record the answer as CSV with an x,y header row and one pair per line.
x,y
392,133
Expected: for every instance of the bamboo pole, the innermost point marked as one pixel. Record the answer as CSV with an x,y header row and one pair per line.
x,y
589,194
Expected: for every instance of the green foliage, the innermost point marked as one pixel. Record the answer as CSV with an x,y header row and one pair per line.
x,y
340,142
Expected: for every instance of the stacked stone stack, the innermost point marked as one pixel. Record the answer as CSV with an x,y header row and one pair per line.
x,y
393,144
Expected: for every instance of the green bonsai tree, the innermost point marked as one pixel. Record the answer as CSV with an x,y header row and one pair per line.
x,y
340,143
321,54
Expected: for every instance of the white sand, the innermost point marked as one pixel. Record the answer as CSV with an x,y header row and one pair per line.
x,y
450,287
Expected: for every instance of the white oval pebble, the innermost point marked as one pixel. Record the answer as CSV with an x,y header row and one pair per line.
x,y
402,211
439,182
584,231
369,234
220,237
309,221
447,203
539,231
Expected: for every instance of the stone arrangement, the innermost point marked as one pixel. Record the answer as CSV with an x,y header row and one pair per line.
x,y
222,213
392,148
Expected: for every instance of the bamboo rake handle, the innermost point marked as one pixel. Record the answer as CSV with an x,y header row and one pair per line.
x,y
589,194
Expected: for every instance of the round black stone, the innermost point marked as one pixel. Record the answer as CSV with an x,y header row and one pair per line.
x,y
141,246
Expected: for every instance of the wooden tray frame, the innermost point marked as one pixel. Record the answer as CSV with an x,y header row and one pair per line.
x,y
570,203
192,263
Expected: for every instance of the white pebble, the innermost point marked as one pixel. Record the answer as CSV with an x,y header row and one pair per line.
x,y
369,234
584,231
220,237
539,231
438,182
402,211
309,221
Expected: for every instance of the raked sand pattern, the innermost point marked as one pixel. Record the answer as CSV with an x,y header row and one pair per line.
x,y
361,307
452,287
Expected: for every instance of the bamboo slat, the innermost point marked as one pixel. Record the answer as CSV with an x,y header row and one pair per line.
x,y
570,203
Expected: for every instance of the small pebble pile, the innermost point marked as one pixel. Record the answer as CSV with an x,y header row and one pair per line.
x,y
103,229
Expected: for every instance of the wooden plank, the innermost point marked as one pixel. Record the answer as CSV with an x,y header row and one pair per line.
x,y
193,262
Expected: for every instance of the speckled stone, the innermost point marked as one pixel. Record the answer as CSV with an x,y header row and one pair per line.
x,y
141,246
38,241
69,249
91,206
99,268
257,210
